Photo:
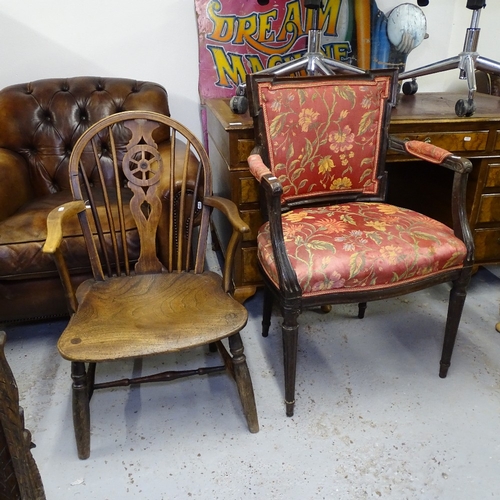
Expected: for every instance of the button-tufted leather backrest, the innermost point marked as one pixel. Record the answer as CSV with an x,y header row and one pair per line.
x,y
42,120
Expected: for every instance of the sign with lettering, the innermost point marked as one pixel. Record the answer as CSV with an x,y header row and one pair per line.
x,y
237,37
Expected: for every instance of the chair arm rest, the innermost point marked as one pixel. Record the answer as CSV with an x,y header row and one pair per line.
x,y
257,167
432,154
55,221
229,209
273,190
264,176
461,168
15,188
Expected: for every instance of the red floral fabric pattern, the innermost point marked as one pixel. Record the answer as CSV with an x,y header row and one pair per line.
x,y
361,245
323,137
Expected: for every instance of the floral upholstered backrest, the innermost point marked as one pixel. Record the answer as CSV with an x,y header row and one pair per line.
x,y
323,135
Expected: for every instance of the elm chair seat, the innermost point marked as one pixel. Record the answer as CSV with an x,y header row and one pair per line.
x,y
103,333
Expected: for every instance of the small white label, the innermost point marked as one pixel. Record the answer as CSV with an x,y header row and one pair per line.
x,y
467,139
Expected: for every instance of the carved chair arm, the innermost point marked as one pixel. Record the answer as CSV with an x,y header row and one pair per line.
x,y
229,209
53,242
273,190
461,168
432,154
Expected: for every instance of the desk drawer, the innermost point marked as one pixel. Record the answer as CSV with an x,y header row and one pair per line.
x,y
493,177
457,142
247,189
487,245
489,208
254,220
243,149
251,273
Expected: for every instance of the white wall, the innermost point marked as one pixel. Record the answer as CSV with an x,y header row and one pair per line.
x,y
157,40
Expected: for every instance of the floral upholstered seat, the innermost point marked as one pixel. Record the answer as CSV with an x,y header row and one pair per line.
x,y
330,237
360,245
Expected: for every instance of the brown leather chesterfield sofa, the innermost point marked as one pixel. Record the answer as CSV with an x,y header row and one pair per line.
x,y
39,124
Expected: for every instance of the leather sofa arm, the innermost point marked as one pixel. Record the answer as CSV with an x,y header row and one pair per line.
x,y
15,185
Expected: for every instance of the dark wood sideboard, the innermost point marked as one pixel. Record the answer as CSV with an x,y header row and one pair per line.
x,y
425,116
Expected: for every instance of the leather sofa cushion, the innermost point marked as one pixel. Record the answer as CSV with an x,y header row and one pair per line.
x,y
22,237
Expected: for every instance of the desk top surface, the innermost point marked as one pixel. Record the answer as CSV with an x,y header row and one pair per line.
x,y
431,107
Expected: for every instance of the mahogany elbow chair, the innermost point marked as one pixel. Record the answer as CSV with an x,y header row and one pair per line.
x,y
329,236
145,227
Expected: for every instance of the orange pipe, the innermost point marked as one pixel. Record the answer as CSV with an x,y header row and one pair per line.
x,y
362,17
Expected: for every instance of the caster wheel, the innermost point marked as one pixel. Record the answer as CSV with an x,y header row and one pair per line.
x,y
238,104
410,88
465,107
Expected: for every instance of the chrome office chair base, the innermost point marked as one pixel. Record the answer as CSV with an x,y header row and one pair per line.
x,y
468,61
313,61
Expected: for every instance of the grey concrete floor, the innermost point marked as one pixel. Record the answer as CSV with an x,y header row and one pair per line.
x,y
372,419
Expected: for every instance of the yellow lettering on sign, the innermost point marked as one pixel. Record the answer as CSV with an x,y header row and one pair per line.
x,y
257,30
292,22
223,25
229,66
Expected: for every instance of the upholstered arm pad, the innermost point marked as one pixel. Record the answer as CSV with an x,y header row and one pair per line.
x,y
257,167
427,151
431,153
15,185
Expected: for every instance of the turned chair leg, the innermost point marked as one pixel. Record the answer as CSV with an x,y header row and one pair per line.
x,y
361,309
455,308
267,309
244,382
290,332
81,409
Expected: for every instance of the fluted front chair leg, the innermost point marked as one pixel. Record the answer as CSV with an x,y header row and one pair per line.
x,y
455,308
81,409
290,332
